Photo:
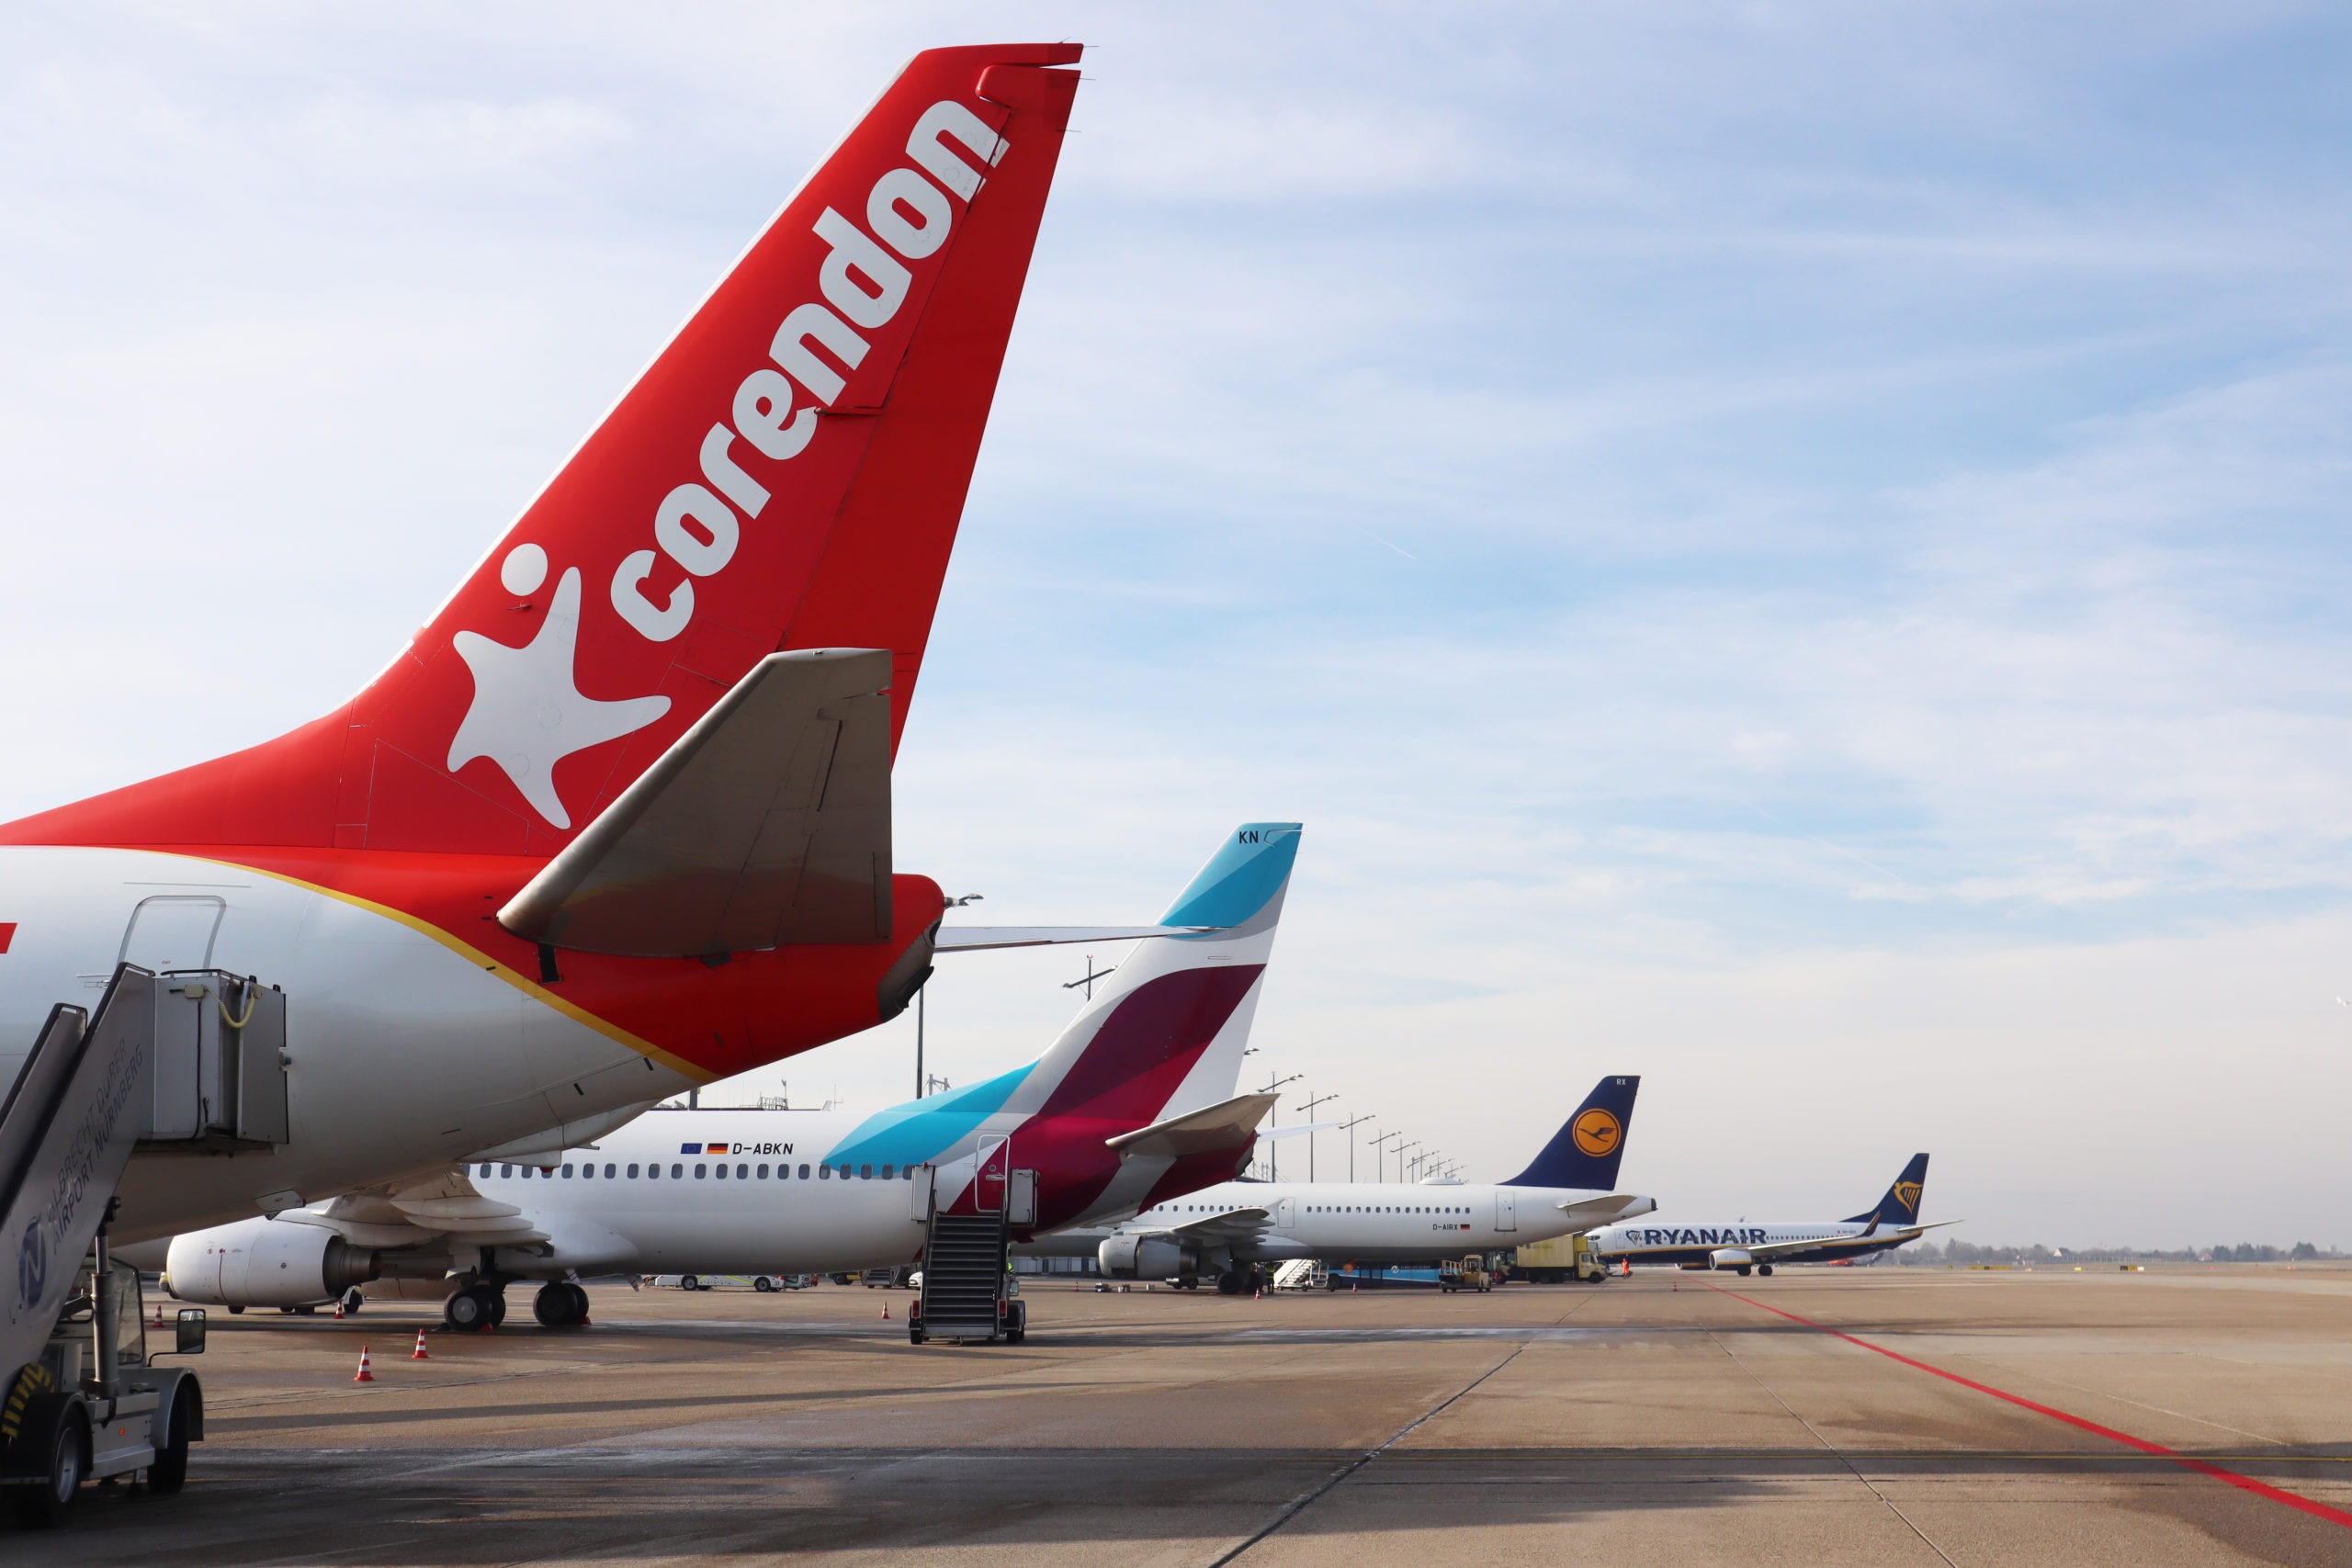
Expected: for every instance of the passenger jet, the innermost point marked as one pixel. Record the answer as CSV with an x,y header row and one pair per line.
x,y
617,821
1740,1246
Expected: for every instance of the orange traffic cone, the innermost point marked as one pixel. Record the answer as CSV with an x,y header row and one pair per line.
x,y
338,1309
418,1354
1257,1295
159,1314
363,1375
886,1312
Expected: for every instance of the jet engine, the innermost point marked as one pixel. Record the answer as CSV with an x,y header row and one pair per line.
x,y
1145,1257
1737,1257
265,1263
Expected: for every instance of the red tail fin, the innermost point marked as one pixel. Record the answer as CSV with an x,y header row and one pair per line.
x,y
787,473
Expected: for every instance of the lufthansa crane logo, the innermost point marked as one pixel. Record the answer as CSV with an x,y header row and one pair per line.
x,y
1907,1194
1596,1132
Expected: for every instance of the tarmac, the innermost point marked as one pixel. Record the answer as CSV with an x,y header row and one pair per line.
x,y
1886,1415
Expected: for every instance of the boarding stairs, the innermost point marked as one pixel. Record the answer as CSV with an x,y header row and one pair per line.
x,y
1301,1274
188,1062
967,1290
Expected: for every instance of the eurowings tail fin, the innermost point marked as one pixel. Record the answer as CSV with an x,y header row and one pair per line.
x,y
1900,1205
1586,1150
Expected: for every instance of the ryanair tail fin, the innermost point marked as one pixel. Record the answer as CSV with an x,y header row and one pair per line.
x,y
1900,1205
1586,1151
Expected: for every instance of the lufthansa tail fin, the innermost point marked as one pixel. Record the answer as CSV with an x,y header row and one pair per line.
x,y
1900,1205
787,473
1586,1150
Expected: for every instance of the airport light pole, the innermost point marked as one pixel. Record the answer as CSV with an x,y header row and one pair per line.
x,y
1400,1157
1273,1154
1381,1172
924,989
1349,1127
1308,1106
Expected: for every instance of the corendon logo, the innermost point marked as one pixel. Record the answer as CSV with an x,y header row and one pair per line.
x,y
527,712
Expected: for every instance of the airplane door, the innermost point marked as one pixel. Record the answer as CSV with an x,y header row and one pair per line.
x,y
1282,1211
1506,1209
919,1195
987,1186
1021,1198
173,931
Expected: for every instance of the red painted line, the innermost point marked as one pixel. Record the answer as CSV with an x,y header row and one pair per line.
x,y
2244,1483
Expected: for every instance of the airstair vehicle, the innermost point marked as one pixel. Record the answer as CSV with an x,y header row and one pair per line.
x,y
191,1062
968,1293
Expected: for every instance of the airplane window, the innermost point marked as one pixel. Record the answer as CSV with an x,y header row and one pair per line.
x,y
505,1170
677,1171
804,1173
722,1171
906,1173
886,1174
824,1173
763,1173
608,1170
632,1173
701,1171
866,1173
586,1172
844,1173
743,1172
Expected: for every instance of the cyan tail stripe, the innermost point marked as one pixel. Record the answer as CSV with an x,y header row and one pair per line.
x,y
923,1130
1239,879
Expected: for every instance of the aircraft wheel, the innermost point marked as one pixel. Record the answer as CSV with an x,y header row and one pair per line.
x,y
561,1304
469,1308
1231,1283
1764,1268
169,1472
44,1507
351,1301
236,1311
1743,1270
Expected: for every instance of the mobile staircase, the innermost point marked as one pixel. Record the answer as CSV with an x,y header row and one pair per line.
x,y
188,1062
968,1292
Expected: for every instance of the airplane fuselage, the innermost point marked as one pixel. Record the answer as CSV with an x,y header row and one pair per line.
x,y
1669,1243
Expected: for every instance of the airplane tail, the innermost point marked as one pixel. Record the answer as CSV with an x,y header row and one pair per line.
x,y
1165,1033
787,473
1586,1151
1900,1205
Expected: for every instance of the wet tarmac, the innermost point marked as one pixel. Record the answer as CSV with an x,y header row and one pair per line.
x,y
1881,1416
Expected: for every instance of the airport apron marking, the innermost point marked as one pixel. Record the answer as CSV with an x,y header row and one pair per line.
x,y
2244,1483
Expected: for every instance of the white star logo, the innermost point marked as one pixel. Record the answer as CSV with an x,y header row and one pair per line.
x,y
527,712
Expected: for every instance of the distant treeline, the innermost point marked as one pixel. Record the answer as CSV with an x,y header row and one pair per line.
x,y
2243,1252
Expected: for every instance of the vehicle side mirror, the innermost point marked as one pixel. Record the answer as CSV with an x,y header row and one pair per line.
x,y
190,1332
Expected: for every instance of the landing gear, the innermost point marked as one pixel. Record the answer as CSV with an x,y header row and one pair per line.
x,y
351,1302
1764,1268
1743,1270
475,1307
1232,1283
561,1304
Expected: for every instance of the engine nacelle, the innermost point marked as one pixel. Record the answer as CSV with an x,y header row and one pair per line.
x,y
1730,1258
265,1263
1145,1257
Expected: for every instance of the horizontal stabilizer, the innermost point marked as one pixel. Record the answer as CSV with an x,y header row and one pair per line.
x,y
1593,1213
1226,1125
1298,1130
767,824
974,939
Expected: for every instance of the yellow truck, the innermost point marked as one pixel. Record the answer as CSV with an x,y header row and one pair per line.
x,y
1558,1262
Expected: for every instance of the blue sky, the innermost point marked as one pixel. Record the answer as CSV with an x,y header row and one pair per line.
x,y
1796,550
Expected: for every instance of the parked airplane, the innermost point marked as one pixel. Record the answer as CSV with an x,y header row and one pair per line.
x,y
617,821
1892,1221
1230,1232
1133,1105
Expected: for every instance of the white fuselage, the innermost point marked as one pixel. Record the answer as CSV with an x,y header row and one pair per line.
x,y
1655,1241
404,1056
1373,1223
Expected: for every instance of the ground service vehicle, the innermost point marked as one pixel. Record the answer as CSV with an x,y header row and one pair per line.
x,y
1559,1261
1464,1274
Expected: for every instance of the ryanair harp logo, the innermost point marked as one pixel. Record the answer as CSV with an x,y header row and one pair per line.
x,y
1907,1194
1596,1132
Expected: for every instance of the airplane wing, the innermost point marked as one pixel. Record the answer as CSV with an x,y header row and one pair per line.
x,y
767,824
980,939
444,1209
1226,1125
1766,1252
1233,1225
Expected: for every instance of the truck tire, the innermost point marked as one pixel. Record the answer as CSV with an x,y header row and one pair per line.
x,y
690,1282
68,1460
169,1472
